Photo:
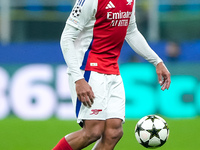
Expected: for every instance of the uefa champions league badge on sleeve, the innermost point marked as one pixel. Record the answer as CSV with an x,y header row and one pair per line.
x,y
76,11
77,8
151,131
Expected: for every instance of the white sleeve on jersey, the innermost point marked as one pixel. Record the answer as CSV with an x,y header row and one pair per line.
x,y
138,43
82,12
67,45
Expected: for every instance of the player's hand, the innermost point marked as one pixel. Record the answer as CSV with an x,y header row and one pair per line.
x,y
84,92
163,76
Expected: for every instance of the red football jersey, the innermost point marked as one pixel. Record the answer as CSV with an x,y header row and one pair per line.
x,y
103,25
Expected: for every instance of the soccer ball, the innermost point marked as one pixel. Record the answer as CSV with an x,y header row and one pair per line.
x,y
152,131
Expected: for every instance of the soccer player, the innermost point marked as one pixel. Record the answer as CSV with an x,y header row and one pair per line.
x,y
91,43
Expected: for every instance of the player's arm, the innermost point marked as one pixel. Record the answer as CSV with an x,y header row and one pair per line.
x,y
83,89
78,18
80,15
68,37
138,43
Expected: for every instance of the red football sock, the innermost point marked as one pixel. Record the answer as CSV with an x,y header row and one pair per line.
x,y
62,145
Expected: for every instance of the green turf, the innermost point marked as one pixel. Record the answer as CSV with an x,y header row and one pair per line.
x,y
16,134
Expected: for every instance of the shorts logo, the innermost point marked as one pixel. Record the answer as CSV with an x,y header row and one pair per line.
x,y
95,111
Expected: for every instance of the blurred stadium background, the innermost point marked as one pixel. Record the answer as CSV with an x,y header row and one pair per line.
x,y
35,105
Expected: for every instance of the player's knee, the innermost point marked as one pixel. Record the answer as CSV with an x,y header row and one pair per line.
x,y
96,134
93,135
93,130
118,134
114,134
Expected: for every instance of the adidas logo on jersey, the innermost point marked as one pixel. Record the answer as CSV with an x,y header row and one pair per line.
x,y
110,5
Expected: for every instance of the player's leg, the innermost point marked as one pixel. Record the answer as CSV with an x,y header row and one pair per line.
x,y
112,134
115,114
91,132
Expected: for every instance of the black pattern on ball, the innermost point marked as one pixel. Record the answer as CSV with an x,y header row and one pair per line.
x,y
152,131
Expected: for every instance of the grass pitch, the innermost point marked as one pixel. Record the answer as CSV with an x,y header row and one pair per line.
x,y
16,134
